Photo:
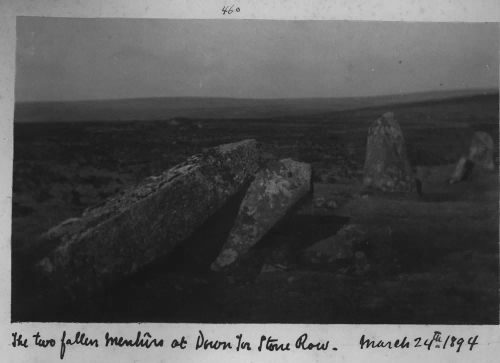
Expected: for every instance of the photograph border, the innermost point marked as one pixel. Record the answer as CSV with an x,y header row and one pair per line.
x,y
346,337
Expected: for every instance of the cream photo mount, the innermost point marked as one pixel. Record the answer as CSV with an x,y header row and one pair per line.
x,y
346,338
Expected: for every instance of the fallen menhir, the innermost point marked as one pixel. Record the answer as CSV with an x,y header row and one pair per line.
x,y
275,190
127,232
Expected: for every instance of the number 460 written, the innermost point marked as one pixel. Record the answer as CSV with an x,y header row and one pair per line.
x,y
228,10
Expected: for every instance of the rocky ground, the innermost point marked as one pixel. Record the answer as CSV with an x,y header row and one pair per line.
x,y
406,258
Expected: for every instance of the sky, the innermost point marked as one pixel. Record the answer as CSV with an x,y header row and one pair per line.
x,y
61,59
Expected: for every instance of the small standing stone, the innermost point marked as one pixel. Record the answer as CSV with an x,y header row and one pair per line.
x,y
481,150
462,170
480,154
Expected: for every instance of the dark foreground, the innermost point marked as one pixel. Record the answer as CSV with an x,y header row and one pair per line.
x,y
431,259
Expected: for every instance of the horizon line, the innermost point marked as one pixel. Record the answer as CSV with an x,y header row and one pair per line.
x,y
491,90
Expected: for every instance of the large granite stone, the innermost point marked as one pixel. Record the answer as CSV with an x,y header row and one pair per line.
x,y
271,195
133,229
386,166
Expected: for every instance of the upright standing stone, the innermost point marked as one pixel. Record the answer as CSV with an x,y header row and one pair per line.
x,y
386,166
271,195
131,230
481,150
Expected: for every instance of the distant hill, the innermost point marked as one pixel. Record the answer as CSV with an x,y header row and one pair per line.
x,y
213,108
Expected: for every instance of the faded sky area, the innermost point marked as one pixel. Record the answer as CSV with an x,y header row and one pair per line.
x,y
86,59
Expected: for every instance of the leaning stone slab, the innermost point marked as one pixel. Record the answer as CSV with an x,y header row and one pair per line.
x,y
271,195
386,165
131,230
481,150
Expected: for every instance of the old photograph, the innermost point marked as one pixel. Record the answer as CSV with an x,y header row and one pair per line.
x,y
255,171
